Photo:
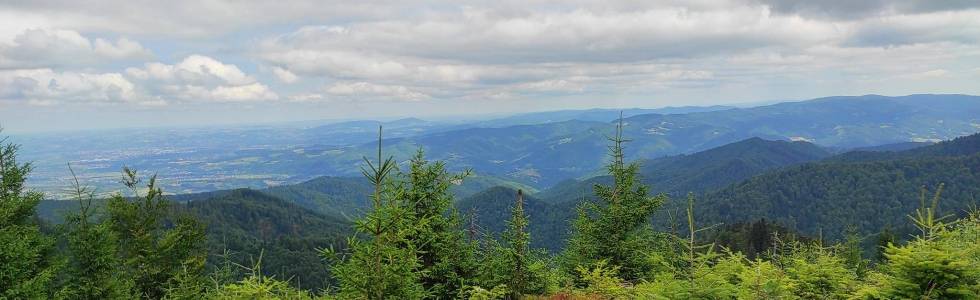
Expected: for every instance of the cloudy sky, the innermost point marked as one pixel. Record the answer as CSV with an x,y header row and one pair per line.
x,y
101,64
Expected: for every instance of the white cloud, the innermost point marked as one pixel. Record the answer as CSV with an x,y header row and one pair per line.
x,y
571,85
935,73
200,78
46,48
954,26
284,75
193,19
46,87
370,91
194,69
507,50
479,50
250,92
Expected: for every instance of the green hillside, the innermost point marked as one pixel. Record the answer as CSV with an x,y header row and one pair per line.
x,y
830,197
249,223
702,171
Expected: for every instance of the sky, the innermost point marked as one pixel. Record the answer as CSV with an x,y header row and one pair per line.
x,y
68,65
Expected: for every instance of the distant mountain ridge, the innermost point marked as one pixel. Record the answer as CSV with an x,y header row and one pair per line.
x,y
869,190
796,184
539,155
701,171
821,195
545,154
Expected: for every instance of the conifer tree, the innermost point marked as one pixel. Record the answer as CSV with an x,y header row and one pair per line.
x,y
446,256
510,264
615,228
517,239
384,266
94,271
162,249
943,262
255,286
885,238
27,268
852,252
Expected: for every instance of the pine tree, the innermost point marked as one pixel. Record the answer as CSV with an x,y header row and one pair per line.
x,y
162,249
615,229
760,239
94,270
852,253
384,266
510,264
27,268
698,272
446,256
943,262
517,240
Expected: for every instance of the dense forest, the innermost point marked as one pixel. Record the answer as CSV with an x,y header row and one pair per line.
x,y
802,226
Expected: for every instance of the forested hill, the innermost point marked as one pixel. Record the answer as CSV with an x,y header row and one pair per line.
x,y
249,224
867,190
702,171
791,187
347,197
549,221
965,145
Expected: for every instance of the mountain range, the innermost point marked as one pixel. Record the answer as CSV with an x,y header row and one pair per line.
x,y
794,185
537,149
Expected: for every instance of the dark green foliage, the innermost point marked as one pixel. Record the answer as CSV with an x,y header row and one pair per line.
x,y
943,262
615,228
885,237
94,269
517,239
27,267
549,222
753,239
383,265
445,255
961,146
347,197
412,243
511,263
832,196
161,249
702,171
248,222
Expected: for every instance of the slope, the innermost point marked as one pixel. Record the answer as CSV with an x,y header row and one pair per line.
x,y
705,170
249,223
869,192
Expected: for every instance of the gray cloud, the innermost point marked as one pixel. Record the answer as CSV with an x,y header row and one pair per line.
x,y
45,48
510,53
857,9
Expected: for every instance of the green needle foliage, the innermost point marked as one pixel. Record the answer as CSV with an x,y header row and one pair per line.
x,y
94,270
255,287
517,240
510,264
161,249
384,265
616,228
446,256
27,268
941,263
411,245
